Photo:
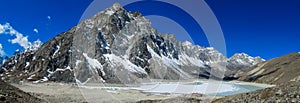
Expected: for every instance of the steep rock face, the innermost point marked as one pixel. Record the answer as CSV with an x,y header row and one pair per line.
x,y
115,46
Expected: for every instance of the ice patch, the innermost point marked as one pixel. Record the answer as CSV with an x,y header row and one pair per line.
x,y
45,79
181,88
184,59
94,66
126,63
67,68
94,63
57,70
109,12
56,51
31,77
27,64
171,63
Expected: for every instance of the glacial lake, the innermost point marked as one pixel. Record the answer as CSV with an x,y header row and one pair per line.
x,y
203,87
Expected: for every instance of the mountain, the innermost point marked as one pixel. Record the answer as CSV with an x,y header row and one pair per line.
x,y
119,46
276,71
240,63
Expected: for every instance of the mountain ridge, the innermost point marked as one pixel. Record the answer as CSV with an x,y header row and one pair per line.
x,y
116,46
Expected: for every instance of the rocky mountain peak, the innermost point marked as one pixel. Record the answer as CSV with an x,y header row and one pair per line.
x,y
243,58
117,6
115,46
187,43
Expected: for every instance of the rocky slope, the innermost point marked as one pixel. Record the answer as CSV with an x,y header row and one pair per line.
x,y
276,71
11,94
187,98
115,46
286,93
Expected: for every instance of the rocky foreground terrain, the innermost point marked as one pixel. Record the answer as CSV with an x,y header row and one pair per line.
x,y
11,94
287,93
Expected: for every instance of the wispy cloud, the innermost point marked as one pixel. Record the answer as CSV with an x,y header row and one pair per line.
x,y
20,39
1,50
36,30
49,17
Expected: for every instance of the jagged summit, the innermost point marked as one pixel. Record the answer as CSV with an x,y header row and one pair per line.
x,y
243,58
115,46
117,6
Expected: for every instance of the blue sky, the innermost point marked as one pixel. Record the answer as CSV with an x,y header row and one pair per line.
x,y
266,28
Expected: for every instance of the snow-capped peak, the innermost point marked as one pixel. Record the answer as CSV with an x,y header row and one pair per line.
x,y
113,9
187,43
117,6
243,58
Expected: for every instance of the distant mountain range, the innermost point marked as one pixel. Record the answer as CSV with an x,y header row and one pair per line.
x,y
117,45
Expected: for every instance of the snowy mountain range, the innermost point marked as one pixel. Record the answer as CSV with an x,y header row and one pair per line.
x,y
117,45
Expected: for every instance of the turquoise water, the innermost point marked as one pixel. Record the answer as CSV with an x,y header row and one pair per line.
x,y
242,89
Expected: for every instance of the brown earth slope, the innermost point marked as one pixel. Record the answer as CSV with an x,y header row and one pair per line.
x,y
11,94
287,93
276,71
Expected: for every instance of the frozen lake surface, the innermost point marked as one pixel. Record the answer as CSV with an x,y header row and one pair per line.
x,y
203,87
208,88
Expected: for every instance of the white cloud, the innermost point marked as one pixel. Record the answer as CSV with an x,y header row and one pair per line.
x,y
1,51
48,17
20,39
36,30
